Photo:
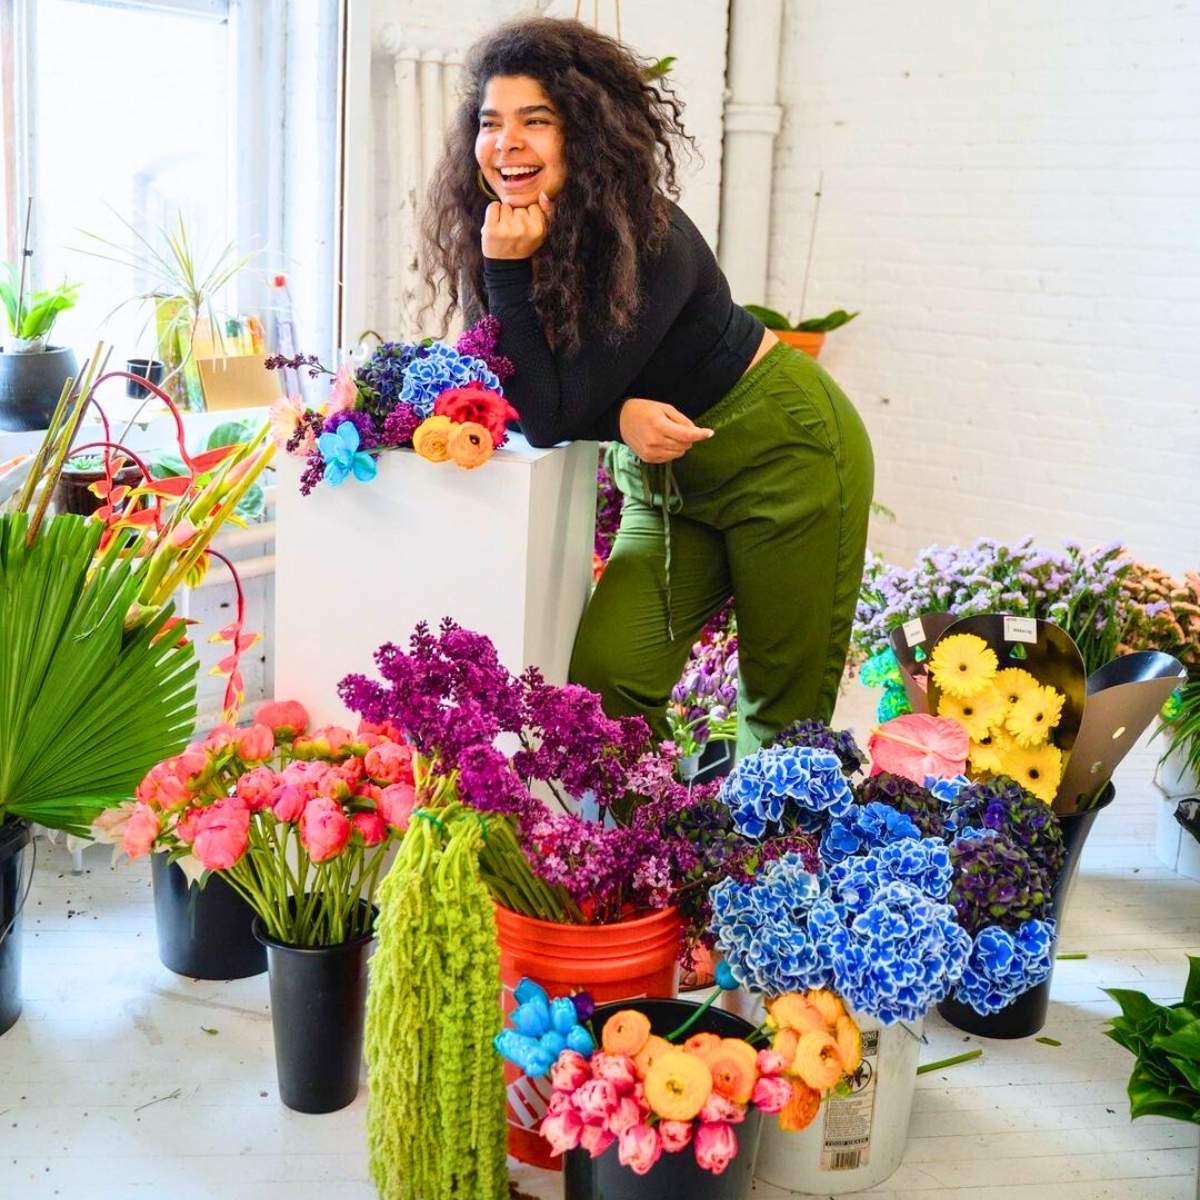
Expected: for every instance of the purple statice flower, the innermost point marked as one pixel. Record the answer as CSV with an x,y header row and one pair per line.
x,y
819,736
313,473
480,342
368,438
997,883
907,797
399,425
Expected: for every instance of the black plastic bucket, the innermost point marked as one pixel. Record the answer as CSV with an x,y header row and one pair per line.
x,y
14,837
675,1176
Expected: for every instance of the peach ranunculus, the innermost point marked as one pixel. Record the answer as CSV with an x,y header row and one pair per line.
x,y
222,834
734,1067
140,831
396,803
801,1108
286,717
389,762
716,1146
255,744
431,439
324,829
639,1148
625,1032
677,1085
370,826
818,1061
470,445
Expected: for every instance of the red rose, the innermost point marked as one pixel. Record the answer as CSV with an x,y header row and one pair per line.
x,y
479,404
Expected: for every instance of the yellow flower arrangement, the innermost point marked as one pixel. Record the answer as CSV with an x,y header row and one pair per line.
x,y
962,665
1013,683
978,714
1034,715
1037,769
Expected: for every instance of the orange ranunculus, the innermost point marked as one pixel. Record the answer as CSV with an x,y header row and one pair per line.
x,y
649,1053
677,1085
818,1061
470,445
849,1040
785,1043
431,438
625,1032
798,1112
793,1011
734,1067
702,1044
827,1004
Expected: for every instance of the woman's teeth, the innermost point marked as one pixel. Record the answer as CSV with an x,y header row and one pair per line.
x,y
515,173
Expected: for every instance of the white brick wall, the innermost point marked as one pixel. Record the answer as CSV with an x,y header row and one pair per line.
x,y
1012,198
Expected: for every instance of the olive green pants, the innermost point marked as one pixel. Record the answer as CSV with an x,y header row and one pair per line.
x,y
772,510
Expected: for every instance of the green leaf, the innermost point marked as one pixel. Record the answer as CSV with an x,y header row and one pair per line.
x,y
1146,1099
768,316
1184,1042
1048,1041
827,323
1135,1006
1191,991
658,69
230,433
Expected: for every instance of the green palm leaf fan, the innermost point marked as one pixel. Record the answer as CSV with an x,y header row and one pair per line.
x,y
87,705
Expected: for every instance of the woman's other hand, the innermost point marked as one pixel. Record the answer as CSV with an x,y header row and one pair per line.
x,y
657,432
518,232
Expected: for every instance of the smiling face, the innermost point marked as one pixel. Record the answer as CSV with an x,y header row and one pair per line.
x,y
519,147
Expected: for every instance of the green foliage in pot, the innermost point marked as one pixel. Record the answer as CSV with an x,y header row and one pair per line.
x,y
776,320
1165,1041
30,318
228,433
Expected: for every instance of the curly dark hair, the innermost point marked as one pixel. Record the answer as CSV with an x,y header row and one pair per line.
x,y
622,132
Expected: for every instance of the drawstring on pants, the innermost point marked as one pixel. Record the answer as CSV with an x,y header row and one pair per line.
x,y
660,478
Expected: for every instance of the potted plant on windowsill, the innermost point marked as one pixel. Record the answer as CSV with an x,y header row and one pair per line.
x,y
807,335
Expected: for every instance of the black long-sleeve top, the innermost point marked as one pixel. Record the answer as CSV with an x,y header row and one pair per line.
x,y
689,345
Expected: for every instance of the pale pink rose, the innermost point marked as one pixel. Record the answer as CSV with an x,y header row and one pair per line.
x,y
324,829
570,1071
639,1148
674,1135
258,788
255,744
395,804
594,1101
771,1062
718,1109
222,834
342,394
140,831
389,763
618,1069
371,826
219,738
716,1146
771,1093
290,802
185,826
287,717
595,1139
559,1102
624,1116
562,1131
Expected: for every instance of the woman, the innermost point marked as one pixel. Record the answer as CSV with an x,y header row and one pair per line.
x,y
744,468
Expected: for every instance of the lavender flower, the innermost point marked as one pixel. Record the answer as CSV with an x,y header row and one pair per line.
x,y
313,473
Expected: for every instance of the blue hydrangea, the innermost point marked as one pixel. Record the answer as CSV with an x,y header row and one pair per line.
x,y
947,790
795,787
437,367
924,863
864,827
1003,965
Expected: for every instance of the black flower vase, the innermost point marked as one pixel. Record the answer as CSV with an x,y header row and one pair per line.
x,y
1026,1015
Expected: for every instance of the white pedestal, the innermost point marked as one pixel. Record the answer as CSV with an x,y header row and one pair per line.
x,y
506,550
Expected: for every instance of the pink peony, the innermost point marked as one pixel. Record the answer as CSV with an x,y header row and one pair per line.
x,y
324,829
371,826
716,1146
140,831
218,739
718,1109
562,1130
307,774
286,717
185,827
771,1062
389,763
639,1148
595,1100
190,766
290,802
674,1135
624,1116
395,804
381,729
331,739
570,1071
618,1069
258,788
771,1093
222,834
595,1139
333,787
351,771
162,788
255,744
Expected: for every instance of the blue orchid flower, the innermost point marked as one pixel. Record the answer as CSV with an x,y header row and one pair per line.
x,y
342,455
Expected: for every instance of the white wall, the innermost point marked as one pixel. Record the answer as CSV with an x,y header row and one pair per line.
x,y
1012,198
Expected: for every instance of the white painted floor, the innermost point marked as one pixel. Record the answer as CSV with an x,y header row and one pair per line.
x,y
112,1086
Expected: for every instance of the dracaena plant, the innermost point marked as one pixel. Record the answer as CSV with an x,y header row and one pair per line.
x,y
1165,1042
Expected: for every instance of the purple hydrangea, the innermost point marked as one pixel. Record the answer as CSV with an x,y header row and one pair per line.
x,y
997,883
819,736
907,797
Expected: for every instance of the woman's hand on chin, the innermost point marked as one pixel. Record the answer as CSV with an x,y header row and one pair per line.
x,y
657,432
514,232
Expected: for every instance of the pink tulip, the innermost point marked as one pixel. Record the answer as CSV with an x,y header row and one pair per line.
x,y
562,1130
389,763
771,1093
290,802
258,788
396,803
559,1102
618,1069
595,1139
594,1101
674,1135
324,829
624,1116
255,744
718,1109
286,717
140,831
570,1071
639,1148
771,1062
716,1146
371,826
222,834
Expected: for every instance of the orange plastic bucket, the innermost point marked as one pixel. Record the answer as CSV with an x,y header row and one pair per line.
x,y
810,343
625,961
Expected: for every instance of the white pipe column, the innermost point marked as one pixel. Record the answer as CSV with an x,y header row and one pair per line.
x,y
752,120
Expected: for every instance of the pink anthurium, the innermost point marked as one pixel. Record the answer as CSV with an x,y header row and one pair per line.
x,y
919,745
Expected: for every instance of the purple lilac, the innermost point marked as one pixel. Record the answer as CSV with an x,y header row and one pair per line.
x,y
399,425
368,438
480,342
313,473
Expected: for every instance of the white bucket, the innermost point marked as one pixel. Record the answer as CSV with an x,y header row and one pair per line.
x,y
1173,846
1175,778
854,1143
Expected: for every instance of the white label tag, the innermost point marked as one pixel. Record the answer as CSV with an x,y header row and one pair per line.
x,y
1020,629
914,631
850,1120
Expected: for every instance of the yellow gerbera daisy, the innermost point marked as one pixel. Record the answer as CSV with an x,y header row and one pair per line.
x,y
977,714
962,665
1037,770
1034,715
986,755
1012,683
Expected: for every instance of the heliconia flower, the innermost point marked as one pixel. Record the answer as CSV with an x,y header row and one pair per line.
x,y
675,1135
324,829
716,1146
569,1072
639,1148
182,533
562,1130
371,826
771,1094
255,744
222,834
286,717
259,788
141,830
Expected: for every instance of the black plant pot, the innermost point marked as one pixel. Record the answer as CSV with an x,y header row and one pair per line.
x,y
203,932
14,837
675,1176
149,369
30,385
1026,1015
318,1009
